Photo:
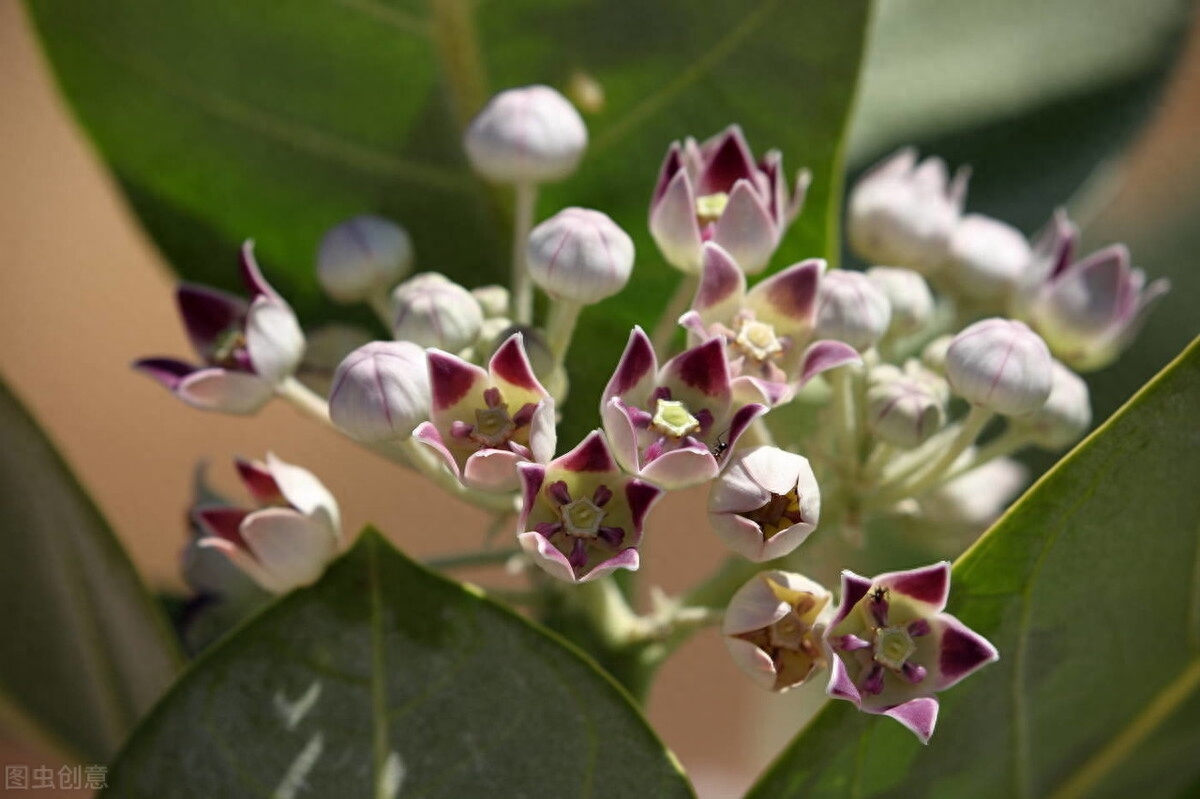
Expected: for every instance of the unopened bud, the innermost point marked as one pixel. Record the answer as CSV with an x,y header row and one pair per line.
x,y
527,135
493,300
363,256
987,261
381,391
905,408
851,309
1067,414
580,256
433,311
908,295
933,357
1001,365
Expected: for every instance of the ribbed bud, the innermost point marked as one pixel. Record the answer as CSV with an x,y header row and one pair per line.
x,y
493,300
851,309
381,391
580,256
362,256
433,311
905,408
987,261
1001,365
908,295
527,135
1067,414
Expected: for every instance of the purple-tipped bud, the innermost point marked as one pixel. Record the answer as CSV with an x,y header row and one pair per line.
x,y
381,391
580,256
908,295
1000,365
527,135
433,311
1067,414
987,261
902,213
905,408
851,309
361,257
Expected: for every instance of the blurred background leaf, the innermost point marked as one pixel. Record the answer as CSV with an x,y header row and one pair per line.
x,y
384,680
1090,589
85,650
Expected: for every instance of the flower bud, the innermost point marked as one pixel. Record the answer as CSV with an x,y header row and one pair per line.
x,y
527,135
905,408
580,256
362,256
987,261
851,309
773,628
493,300
1067,414
977,498
1001,365
381,391
765,503
907,294
933,357
433,311
903,213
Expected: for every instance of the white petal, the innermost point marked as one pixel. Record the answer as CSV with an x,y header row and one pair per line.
x,y
292,548
273,339
225,391
305,493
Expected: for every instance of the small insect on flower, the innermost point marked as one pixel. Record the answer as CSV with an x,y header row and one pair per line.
x,y
719,446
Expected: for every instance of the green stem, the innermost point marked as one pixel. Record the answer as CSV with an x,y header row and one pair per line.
x,y
522,285
561,327
664,330
381,303
976,420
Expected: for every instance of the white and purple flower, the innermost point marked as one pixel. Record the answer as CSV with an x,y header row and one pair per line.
x,y
674,427
581,515
247,348
289,540
892,648
765,328
484,423
716,192
765,504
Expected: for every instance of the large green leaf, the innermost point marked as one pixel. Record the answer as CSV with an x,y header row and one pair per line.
x,y
228,119
85,651
1090,588
387,680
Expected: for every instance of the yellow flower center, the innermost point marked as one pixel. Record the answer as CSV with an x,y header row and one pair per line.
x,y
582,518
757,340
710,207
893,647
673,418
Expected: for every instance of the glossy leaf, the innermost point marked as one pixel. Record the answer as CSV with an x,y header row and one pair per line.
x,y
1090,588
387,680
85,650
229,119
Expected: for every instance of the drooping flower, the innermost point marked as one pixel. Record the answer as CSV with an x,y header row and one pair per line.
x,y
674,427
483,423
902,213
893,648
581,515
290,539
247,348
765,503
766,329
1090,310
773,628
716,192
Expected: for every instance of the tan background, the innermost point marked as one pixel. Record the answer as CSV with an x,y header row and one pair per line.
x,y
83,293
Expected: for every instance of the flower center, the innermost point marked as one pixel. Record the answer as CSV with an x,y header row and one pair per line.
x,y
493,425
582,518
710,207
758,340
674,419
777,514
228,350
893,647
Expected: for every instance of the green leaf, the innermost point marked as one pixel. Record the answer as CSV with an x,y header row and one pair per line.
x,y
1090,588
85,650
229,119
385,680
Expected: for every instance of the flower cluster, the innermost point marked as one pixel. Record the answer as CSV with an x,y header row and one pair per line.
x,y
915,380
